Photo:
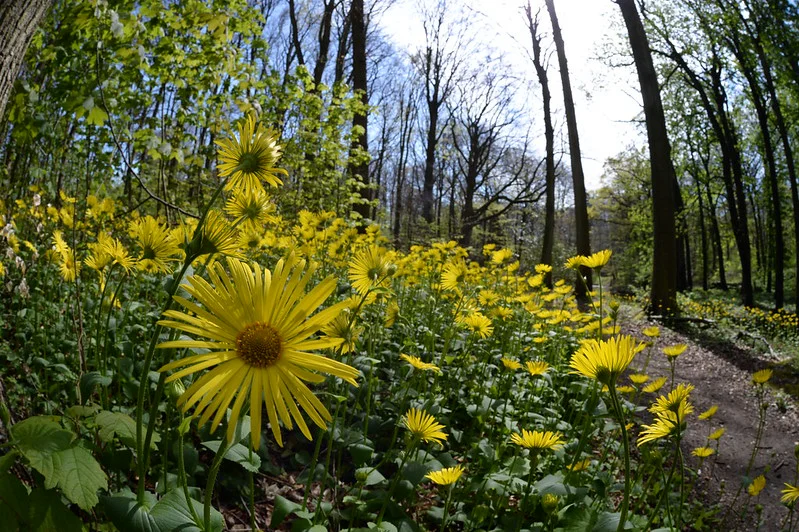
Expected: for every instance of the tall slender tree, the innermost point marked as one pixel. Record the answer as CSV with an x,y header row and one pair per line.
x,y
664,265
581,226
549,136
360,169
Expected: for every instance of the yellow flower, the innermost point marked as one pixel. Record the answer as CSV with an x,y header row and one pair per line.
x,y
625,389
417,363
251,158
655,385
651,332
790,493
762,376
598,259
59,244
488,298
369,269
70,268
216,236
703,452
253,208
500,256
510,364
446,476
343,331
119,254
673,351
718,433
453,275
605,360
479,324
575,262
675,401
254,327
756,486
543,268
661,428
392,311
424,426
582,465
709,413
639,379
538,440
537,368
158,246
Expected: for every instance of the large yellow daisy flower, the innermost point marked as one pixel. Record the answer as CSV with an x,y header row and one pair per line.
x,y
255,327
251,158
605,360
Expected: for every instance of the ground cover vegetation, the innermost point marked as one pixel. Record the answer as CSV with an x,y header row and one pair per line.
x,y
252,283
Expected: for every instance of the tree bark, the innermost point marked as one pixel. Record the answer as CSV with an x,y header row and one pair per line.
x,y
549,135
360,170
664,264
18,22
581,224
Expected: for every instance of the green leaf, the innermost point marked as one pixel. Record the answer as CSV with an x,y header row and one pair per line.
x,y
552,484
89,381
414,472
38,438
361,454
237,453
48,514
121,425
13,500
78,475
373,476
7,460
128,515
172,513
78,411
283,507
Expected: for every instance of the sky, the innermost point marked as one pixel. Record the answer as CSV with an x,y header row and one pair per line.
x,y
606,99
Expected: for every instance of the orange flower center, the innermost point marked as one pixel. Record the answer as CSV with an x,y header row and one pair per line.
x,y
259,344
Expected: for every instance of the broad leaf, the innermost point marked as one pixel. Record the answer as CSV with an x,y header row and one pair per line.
x,y
172,513
237,453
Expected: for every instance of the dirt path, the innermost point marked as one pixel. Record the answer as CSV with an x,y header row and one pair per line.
x,y
722,375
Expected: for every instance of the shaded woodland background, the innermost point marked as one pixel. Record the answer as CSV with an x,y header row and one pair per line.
x,y
445,141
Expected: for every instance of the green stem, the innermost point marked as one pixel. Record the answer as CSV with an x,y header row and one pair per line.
x,y
625,504
446,508
395,480
184,481
209,486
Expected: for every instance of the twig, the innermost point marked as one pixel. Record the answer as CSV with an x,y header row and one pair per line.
x,y
758,337
130,168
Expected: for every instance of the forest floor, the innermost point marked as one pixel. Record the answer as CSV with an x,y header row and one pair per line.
x,y
721,371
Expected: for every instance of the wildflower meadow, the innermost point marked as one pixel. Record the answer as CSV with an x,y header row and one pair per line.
x,y
244,371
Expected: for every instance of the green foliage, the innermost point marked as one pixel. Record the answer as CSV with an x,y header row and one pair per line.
x,y
64,463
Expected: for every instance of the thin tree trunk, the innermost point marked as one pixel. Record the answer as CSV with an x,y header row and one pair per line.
x,y
360,170
581,225
549,135
664,263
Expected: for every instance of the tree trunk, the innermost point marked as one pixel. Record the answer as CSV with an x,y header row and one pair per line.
x,y
360,170
581,225
775,207
18,22
716,234
549,135
664,264
702,231
324,42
